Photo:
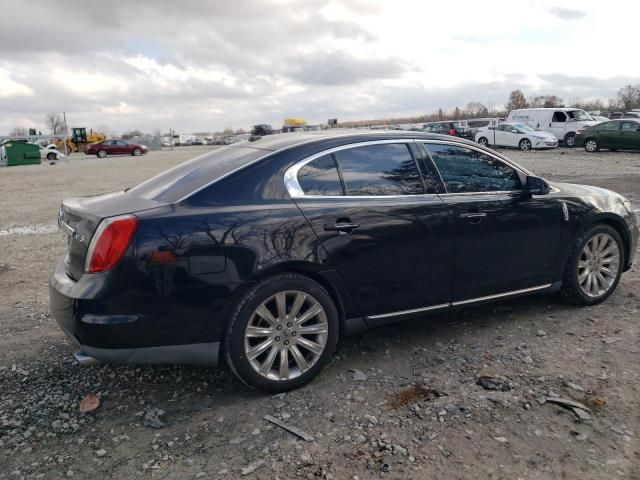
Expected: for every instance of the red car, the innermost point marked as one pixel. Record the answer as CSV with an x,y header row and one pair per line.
x,y
115,147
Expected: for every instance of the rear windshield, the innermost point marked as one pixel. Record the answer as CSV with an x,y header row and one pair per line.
x,y
181,180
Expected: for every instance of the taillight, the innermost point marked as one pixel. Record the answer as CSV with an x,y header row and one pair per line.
x,y
109,243
453,131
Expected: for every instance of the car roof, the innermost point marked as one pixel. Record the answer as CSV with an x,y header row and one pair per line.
x,y
280,141
633,119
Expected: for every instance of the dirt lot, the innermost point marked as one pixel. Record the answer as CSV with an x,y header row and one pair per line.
x,y
446,426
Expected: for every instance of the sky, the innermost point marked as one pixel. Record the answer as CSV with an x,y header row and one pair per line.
x,y
200,66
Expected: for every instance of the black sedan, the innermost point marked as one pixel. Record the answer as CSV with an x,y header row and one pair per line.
x,y
266,252
623,134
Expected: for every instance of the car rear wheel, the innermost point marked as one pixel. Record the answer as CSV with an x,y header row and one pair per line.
x,y
282,333
525,144
102,153
594,267
591,145
137,152
570,140
51,156
483,141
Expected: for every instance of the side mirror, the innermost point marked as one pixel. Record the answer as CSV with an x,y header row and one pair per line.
x,y
537,186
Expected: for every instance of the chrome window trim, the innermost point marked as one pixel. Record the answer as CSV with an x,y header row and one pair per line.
x,y
291,174
243,145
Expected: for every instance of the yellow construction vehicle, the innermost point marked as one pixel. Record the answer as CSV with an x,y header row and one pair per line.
x,y
78,140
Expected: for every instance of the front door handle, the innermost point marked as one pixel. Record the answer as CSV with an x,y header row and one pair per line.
x,y
473,217
343,228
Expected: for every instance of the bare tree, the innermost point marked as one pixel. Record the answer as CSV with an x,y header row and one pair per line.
x,y
629,96
55,123
18,132
548,101
517,100
476,109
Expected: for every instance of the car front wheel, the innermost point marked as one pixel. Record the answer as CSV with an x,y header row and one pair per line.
x,y
483,141
594,267
51,156
525,144
102,153
591,145
137,152
282,333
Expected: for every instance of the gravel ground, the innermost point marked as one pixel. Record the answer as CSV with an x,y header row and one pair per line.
x,y
469,395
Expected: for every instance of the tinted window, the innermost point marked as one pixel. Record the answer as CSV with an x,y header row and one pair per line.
x,y
320,177
387,169
630,115
630,126
559,117
611,126
466,170
183,179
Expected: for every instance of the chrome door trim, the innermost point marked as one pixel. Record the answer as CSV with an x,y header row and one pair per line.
x,y
501,295
291,174
407,312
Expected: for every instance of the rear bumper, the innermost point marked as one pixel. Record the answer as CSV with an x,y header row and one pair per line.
x,y
134,338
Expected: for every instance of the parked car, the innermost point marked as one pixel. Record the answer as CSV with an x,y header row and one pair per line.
x,y
563,123
267,252
50,152
616,115
115,147
599,118
453,128
516,135
622,134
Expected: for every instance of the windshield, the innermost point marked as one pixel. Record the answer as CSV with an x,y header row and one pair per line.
x,y
522,128
579,115
181,180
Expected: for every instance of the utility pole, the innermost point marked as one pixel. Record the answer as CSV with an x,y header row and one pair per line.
x,y
64,136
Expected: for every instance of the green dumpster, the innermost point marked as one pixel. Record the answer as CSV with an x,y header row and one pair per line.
x,y
21,153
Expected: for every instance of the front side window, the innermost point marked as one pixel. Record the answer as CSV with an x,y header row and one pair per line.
x,y
385,169
464,170
320,177
630,126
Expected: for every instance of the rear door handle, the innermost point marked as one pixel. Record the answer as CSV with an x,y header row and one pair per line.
x,y
473,217
343,228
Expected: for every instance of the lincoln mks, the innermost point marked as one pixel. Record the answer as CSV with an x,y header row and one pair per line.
x,y
265,253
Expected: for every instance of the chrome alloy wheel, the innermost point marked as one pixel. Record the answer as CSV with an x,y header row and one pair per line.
x,y
598,265
591,146
525,144
286,335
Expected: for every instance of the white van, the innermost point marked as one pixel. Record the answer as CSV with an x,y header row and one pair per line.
x,y
561,122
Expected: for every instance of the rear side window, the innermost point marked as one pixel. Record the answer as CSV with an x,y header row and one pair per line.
x,y
320,177
385,169
184,179
559,117
630,126
611,126
464,170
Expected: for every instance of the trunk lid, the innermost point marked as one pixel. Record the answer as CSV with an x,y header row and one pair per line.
x,y
79,218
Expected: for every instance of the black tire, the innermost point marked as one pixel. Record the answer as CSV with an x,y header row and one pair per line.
x,y
613,149
102,154
570,140
483,141
591,145
234,346
137,152
51,156
571,288
525,145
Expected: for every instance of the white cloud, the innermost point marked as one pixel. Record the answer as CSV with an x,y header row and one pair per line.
x,y
199,65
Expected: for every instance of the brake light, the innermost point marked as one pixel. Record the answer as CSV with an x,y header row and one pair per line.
x,y
453,131
109,242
